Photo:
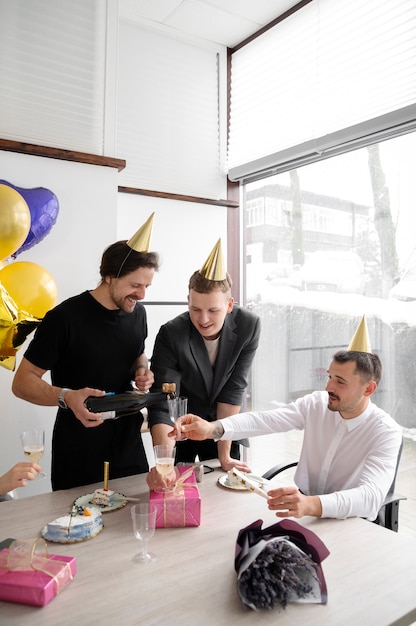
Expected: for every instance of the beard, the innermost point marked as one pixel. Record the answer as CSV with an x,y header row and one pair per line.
x,y
333,398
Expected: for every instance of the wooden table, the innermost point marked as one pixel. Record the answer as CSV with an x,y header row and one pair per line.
x,y
370,573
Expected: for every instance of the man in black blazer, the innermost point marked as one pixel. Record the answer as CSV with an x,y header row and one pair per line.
x,y
207,352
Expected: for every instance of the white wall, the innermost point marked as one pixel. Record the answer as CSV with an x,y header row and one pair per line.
x,y
184,234
71,252
92,215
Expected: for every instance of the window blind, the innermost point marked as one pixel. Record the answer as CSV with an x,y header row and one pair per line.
x,y
168,114
335,75
52,73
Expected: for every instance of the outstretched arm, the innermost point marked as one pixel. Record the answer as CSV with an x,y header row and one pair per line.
x,y
18,475
194,427
28,384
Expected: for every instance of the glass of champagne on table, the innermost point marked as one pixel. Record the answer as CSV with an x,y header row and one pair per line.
x,y
143,516
33,442
164,461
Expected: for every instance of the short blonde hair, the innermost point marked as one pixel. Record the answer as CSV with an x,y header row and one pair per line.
x,y
199,283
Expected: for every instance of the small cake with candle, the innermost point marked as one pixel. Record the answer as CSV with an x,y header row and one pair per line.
x,y
81,523
103,497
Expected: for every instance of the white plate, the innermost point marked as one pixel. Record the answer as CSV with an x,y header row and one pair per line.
x,y
118,502
223,481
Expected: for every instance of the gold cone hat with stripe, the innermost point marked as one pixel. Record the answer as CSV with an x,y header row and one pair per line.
x,y
140,242
214,268
361,340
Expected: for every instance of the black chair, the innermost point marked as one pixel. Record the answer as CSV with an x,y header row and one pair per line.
x,y
388,515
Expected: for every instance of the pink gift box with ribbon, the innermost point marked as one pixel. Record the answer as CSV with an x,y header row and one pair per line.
x,y
35,578
180,506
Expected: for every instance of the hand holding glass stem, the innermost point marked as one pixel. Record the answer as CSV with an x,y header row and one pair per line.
x,y
33,443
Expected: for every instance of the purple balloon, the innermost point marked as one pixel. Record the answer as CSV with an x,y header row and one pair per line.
x,y
44,207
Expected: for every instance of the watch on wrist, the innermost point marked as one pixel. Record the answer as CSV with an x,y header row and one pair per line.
x,y
61,400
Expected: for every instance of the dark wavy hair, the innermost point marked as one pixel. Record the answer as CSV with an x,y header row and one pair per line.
x,y
199,283
367,365
119,259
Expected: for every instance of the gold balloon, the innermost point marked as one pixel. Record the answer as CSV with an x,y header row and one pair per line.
x,y
15,326
14,221
31,287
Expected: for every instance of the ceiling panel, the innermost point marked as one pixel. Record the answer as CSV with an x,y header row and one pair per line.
x,y
225,22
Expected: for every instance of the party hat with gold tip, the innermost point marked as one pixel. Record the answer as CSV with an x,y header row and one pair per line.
x,y
140,241
361,340
214,268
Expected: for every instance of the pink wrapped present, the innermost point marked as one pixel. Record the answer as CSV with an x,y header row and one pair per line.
x,y
181,506
29,575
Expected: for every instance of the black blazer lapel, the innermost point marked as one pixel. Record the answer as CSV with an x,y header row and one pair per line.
x,y
200,354
228,339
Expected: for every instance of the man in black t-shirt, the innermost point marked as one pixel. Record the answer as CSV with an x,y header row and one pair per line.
x,y
92,344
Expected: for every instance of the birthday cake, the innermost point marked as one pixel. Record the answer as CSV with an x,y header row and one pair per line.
x,y
82,523
103,497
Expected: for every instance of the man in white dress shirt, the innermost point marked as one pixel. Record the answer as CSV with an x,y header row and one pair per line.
x,y
350,446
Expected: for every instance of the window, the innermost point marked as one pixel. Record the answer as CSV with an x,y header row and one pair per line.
x,y
333,76
345,250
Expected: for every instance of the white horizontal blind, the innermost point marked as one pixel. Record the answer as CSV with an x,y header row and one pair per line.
x,y
168,114
330,76
52,72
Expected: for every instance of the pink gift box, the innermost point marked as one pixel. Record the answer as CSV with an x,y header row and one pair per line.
x,y
180,508
33,586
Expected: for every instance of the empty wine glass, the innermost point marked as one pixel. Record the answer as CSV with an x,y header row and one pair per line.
x,y
33,442
143,516
177,407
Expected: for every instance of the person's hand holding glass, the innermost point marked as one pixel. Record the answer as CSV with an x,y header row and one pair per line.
x,y
33,443
164,461
177,407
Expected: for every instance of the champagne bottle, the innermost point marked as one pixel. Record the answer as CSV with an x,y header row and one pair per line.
x,y
112,406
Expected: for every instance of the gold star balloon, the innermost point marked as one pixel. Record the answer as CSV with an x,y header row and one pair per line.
x,y
15,326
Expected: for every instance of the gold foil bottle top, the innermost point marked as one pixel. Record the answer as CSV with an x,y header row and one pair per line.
x,y
361,340
140,242
169,387
214,268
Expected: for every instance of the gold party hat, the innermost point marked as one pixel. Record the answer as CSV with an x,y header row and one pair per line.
x,y
214,268
140,241
361,341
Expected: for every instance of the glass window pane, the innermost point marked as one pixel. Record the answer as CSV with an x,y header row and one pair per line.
x,y
324,245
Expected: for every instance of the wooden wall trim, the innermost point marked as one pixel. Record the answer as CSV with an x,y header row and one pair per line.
x,y
174,196
61,154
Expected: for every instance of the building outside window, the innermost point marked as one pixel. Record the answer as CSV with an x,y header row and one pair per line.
x,y
324,245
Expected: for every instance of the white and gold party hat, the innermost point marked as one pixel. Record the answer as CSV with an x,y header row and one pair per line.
x,y
140,242
361,340
214,268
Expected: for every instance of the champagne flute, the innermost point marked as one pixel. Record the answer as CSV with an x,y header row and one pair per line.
x,y
144,522
177,407
33,442
164,460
